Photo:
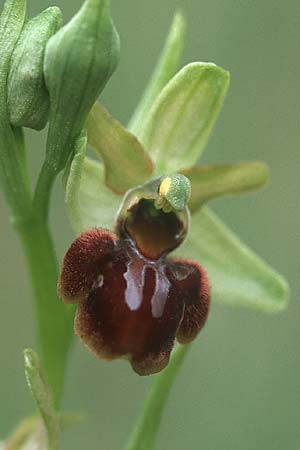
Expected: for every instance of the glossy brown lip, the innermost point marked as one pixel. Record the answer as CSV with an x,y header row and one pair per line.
x,y
133,301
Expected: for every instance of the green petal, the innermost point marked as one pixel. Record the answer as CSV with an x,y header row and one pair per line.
x,y
183,116
42,396
166,67
90,203
126,163
222,179
237,275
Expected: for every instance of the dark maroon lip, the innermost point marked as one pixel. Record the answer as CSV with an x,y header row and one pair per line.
x,y
133,300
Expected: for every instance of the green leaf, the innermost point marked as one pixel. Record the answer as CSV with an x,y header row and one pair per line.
x,y
237,275
126,163
222,179
164,70
183,116
90,203
42,396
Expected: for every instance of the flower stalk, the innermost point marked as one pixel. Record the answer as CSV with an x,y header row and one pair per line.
x,y
147,426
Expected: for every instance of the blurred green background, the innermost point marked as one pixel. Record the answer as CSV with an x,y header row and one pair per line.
x,y
240,386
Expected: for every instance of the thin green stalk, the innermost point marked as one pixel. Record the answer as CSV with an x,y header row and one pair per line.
x,y
145,432
55,320
41,202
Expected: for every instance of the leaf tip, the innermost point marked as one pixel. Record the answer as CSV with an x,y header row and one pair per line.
x,y
282,293
179,22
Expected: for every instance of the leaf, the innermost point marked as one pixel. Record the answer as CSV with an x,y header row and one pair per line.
x,y
42,396
164,70
126,163
237,275
90,203
222,179
183,116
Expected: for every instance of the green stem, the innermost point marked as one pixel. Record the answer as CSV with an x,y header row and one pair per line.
x,y
44,189
144,434
54,319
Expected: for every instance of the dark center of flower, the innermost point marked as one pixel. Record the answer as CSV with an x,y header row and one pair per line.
x,y
154,231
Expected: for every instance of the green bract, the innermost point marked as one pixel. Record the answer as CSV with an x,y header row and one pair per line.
x,y
28,99
176,119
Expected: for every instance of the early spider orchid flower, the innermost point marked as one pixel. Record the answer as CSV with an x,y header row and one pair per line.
x,y
133,301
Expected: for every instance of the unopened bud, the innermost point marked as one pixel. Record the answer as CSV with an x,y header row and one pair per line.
x,y
79,60
28,99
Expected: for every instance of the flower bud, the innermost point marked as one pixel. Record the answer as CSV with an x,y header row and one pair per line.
x,y
79,60
28,99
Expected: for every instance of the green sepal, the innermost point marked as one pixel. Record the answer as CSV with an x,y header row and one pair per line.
x,y
79,60
125,161
212,181
28,99
166,67
183,116
89,202
42,396
237,276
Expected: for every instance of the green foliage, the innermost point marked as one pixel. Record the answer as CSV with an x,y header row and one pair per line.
x,y
28,99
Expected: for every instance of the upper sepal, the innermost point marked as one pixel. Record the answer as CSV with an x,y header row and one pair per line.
x,y
183,116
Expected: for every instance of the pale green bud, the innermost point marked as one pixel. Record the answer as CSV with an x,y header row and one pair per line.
x,y
28,99
79,60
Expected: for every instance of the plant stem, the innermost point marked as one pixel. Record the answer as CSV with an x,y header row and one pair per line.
x,y
43,190
144,434
54,319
